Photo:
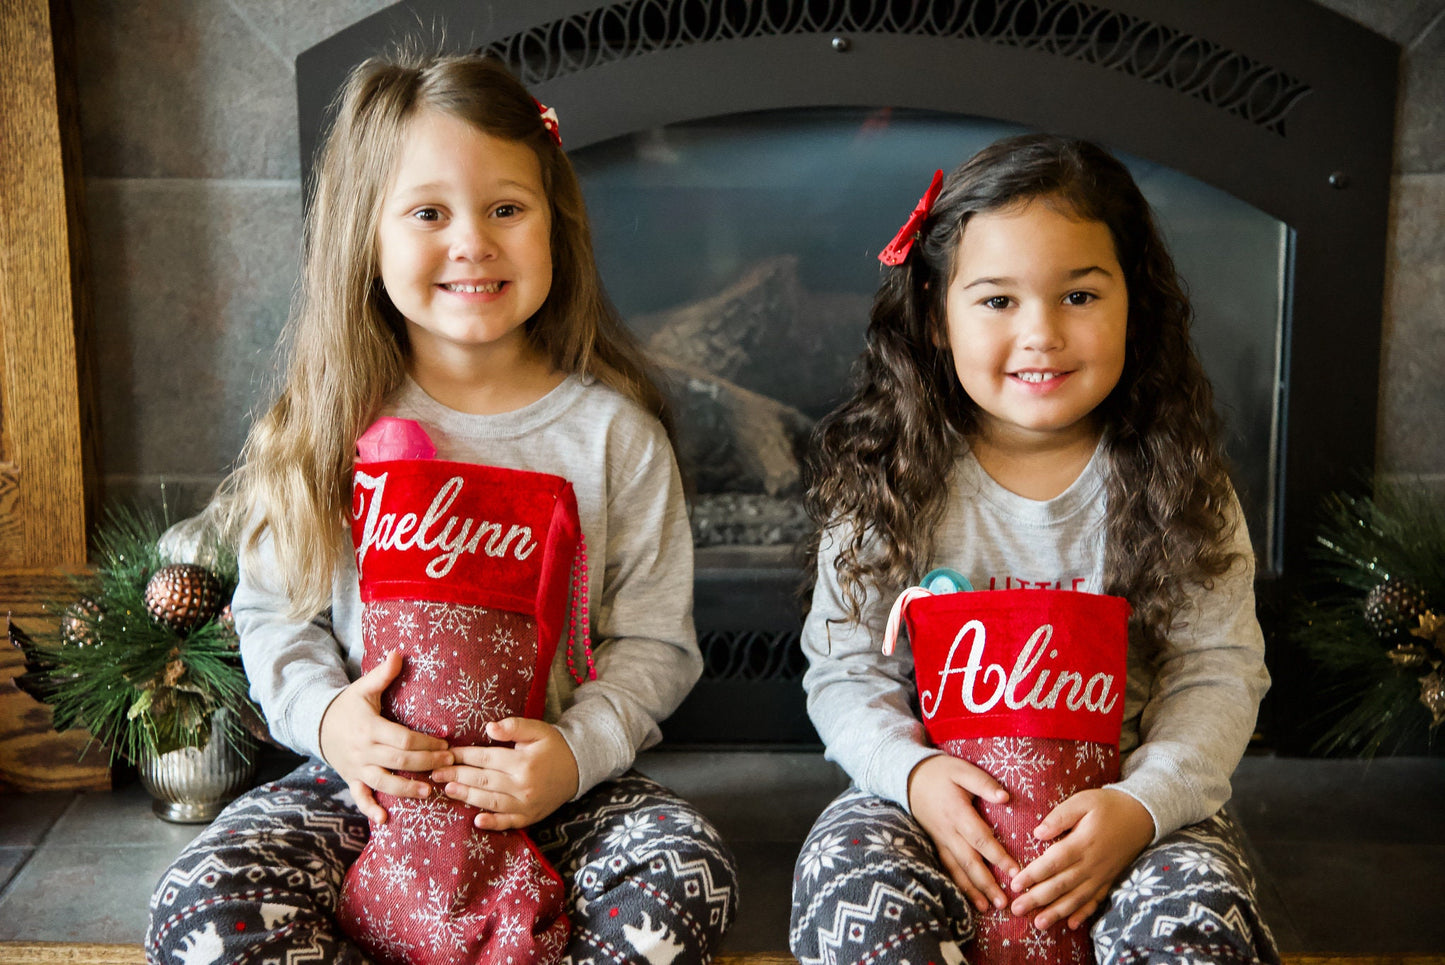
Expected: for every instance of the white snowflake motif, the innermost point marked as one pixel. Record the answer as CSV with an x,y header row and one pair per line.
x,y
450,618
442,915
1192,862
385,937
405,625
517,876
373,620
423,661
504,640
426,819
885,841
1142,883
511,929
397,873
474,704
1015,763
479,845
825,852
405,708
1088,753
634,827
1039,942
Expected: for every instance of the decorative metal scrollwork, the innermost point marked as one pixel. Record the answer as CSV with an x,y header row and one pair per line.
x,y
752,655
1087,32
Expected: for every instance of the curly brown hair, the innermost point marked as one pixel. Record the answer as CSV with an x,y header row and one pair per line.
x,y
880,463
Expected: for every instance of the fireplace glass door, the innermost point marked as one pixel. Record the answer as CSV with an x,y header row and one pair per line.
x,y
742,250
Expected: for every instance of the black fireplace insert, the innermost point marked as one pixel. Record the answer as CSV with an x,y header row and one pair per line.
x,y
744,159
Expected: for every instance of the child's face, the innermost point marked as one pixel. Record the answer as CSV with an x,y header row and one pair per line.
x,y
464,241
1037,312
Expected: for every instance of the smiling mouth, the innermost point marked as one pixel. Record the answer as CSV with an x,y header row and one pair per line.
x,y
1037,377
490,288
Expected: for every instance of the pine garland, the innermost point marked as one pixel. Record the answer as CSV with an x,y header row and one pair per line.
x,y
1380,673
138,686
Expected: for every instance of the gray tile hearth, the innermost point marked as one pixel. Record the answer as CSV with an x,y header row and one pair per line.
x,y
1349,852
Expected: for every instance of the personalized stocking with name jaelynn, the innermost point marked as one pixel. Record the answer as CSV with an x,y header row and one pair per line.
x,y
1029,686
473,573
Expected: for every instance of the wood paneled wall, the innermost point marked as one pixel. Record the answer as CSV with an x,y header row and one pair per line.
x,y
48,482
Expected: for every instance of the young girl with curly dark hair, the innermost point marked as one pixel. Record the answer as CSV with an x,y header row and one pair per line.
x,y
1029,412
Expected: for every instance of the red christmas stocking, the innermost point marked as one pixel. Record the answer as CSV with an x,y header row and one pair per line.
x,y
469,571
1029,686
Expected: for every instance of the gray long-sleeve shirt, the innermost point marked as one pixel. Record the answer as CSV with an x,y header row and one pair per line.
x,y
1188,714
639,548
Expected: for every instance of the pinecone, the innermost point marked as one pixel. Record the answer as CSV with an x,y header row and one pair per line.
x,y
1394,607
78,625
183,596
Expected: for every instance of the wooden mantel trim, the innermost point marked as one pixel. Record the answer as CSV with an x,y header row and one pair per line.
x,y
47,437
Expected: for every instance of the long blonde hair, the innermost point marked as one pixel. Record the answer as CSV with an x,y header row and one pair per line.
x,y
345,346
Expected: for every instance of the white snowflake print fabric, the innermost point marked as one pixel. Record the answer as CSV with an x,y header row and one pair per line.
x,y
430,888
1039,773
473,573
1027,685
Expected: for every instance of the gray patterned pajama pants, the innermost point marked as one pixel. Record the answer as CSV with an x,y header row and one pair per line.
x,y
648,878
868,888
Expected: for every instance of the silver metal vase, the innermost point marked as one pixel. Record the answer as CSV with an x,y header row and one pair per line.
x,y
191,785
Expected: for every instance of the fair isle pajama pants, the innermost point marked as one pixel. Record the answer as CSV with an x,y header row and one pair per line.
x,y
648,878
868,888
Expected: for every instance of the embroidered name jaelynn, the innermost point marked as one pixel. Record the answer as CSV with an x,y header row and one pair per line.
x,y
435,529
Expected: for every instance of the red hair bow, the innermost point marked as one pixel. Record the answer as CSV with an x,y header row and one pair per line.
x,y
902,243
549,121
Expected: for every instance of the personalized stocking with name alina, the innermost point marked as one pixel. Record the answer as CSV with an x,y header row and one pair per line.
x,y
1029,686
473,573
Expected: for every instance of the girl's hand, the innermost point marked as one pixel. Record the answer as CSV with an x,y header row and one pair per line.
x,y
941,790
1107,829
365,747
514,786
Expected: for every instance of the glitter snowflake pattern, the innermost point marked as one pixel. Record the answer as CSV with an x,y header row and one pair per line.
x,y
426,819
450,618
406,708
479,845
517,876
404,625
442,915
398,873
1089,754
424,661
386,938
374,619
1037,942
510,929
474,703
1014,763
504,640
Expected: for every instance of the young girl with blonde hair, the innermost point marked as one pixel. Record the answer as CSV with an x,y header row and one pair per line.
x,y
448,278
1030,413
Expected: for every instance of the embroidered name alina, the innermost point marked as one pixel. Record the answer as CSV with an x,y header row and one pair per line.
x,y
1096,696
450,535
